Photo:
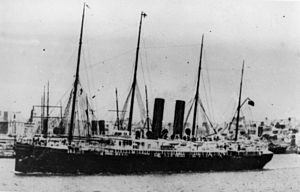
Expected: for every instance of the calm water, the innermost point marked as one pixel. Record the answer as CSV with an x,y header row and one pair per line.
x,y
281,174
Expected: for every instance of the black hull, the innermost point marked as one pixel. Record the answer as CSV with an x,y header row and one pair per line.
x,y
278,149
33,159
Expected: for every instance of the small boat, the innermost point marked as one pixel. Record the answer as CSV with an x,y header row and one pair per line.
x,y
7,149
279,136
278,148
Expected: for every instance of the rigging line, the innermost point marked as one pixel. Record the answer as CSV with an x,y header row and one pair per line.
x,y
247,113
87,76
205,93
80,114
231,121
141,59
221,69
172,46
129,88
78,120
231,105
189,102
188,114
209,91
251,114
88,58
203,109
91,108
228,109
140,103
67,108
123,113
120,26
144,64
83,114
61,98
205,90
88,82
109,59
63,65
149,83
142,67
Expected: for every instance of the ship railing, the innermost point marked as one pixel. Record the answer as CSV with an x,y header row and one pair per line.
x,y
244,153
161,153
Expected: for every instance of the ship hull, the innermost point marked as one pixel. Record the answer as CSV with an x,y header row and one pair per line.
x,y
33,159
278,149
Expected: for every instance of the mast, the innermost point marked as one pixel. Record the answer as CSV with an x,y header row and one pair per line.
x,y
47,114
61,115
87,116
47,109
239,105
147,110
42,111
117,106
134,76
70,136
41,124
197,89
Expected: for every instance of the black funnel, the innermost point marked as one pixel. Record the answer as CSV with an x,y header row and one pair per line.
x,y
158,117
94,128
178,118
101,127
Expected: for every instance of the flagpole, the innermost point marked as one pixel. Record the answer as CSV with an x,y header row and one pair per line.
x,y
239,105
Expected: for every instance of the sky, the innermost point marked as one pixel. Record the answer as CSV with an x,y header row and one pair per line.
x,y
39,43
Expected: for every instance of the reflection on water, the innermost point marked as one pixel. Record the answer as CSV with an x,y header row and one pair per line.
x,y
281,174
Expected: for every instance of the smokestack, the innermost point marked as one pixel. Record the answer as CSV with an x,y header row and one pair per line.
x,y
45,127
94,128
178,118
158,117
5,116
101,127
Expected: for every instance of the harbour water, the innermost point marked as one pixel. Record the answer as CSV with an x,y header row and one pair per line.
x,y
281,174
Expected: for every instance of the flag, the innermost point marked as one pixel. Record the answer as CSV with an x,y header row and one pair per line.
x,y
251,103
87,6
144,14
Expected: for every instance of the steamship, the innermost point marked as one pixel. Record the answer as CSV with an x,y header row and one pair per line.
x,y
129,151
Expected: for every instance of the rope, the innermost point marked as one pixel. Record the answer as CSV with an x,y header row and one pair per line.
x,y
202,107
140,103
123,113
172,46
188,114
108,59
